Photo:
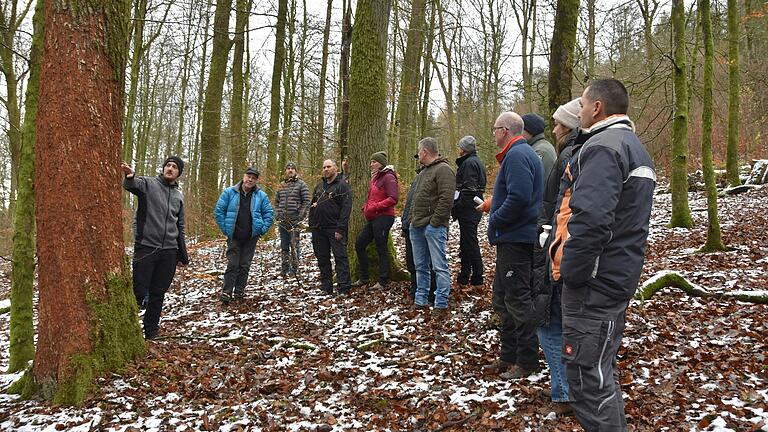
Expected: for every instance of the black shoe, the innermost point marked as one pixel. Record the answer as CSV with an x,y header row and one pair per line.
x,y
328,291
344,291
150,336
226,298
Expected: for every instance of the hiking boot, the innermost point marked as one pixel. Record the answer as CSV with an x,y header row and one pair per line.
x,y
562,409
440,315
516,372
360,282
378,286
226,298
497,367
328,291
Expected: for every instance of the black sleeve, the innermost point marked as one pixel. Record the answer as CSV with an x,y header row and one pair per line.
x,y
345,195
183,256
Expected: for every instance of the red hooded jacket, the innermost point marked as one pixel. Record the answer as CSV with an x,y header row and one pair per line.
x,y
383,194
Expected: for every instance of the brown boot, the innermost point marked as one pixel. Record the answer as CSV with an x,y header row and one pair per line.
x,y
516,372
497,367
562,409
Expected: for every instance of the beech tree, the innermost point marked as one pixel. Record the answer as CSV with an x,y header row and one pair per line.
x,y
681,214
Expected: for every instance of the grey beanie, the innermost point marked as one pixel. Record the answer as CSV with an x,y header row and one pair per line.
x,y
568,114
468,144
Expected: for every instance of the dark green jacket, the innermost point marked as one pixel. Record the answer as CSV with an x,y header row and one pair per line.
x,y
433,196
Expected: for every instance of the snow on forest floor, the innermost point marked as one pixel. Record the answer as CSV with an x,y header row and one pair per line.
x,y
291,359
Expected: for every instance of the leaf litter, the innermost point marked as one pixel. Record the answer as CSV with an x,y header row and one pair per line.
x,y
290,359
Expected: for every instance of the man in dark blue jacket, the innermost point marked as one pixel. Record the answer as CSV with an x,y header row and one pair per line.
x,y
243,213
598,247
159,237
512,228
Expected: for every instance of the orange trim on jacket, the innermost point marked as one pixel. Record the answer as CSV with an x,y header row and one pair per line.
x,y
561,234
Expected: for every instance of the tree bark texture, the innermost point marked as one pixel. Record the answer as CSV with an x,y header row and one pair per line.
x,y
277,72
210,140
86,311
237,144
407,133
561,54
681,214
732,152
714,240
22,332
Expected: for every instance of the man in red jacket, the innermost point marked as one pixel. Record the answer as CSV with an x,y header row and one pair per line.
x,y
379,211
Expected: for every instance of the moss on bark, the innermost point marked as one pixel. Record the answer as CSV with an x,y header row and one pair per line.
x,y
115,337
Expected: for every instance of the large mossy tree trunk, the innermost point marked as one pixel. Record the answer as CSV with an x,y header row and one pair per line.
x,y
732,152
274,108
367,111
561,53
86,312
22,332
681,214
407,133
210,140
714,241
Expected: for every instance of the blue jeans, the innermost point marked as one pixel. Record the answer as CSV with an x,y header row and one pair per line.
x,y
551,341
429,247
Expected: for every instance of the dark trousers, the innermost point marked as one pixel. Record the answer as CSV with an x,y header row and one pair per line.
x,y
411,265
469,250
593,326
324,244
239,257
290,249
377,231
512,303
153,271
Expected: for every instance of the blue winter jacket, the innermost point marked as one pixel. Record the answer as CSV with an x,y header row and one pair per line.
x,y
517,196
229,203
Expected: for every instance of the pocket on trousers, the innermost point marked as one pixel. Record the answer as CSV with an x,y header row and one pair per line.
x,y
582,341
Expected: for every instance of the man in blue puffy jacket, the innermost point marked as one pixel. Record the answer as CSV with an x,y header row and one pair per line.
x,y
243,214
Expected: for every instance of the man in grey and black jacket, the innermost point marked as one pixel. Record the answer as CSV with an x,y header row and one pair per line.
x,y
598,247
291,207
159,237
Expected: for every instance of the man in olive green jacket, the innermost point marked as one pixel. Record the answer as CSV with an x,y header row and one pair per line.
x,y
429,219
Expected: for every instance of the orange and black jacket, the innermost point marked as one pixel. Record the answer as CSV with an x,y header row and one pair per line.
x,y
603,210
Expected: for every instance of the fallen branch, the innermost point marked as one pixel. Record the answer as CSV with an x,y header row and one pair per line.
x,y
417,359
220,336
298,345
668,278
365,346
5,310
459,422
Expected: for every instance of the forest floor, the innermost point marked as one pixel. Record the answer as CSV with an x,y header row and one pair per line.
x,y
291,359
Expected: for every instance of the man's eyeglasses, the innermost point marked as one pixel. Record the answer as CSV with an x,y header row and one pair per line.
x,y
495,128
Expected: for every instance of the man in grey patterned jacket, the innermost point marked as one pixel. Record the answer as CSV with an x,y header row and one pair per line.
x,y
291,205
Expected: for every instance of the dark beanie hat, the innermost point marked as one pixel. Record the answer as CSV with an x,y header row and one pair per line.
x,y
533,123
380,157
177,160
290,165
253,171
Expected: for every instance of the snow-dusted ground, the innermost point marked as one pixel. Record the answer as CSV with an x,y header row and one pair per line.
x,y
291,359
